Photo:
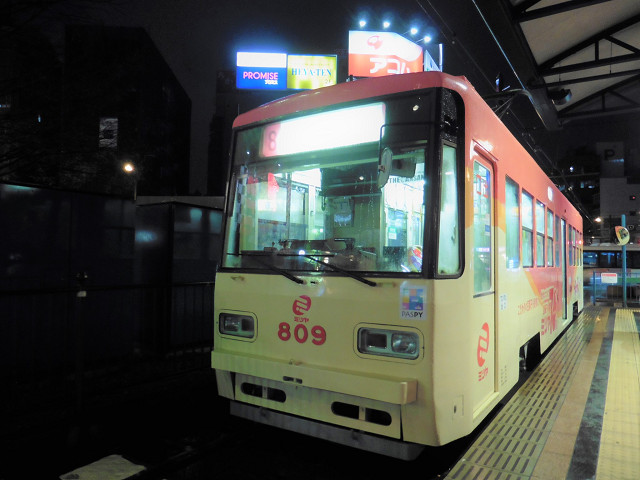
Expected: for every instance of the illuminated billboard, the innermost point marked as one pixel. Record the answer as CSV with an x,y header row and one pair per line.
x,y
376,54
279,71
311,71
261,71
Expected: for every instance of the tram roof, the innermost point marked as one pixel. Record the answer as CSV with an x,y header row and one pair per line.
x,y
351,91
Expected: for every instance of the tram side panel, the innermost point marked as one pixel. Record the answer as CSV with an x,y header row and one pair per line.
x,y
528,300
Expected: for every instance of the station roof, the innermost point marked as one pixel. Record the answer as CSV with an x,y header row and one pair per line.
x,y
577,58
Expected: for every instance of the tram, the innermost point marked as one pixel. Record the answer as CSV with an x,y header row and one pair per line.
x,y
603,272
391,252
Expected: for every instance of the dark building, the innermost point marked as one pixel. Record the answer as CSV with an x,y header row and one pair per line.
x,y
122,103
30,90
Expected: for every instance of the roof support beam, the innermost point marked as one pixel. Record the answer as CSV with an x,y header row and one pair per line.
x,y
576,67
521,15
570,111
590,78
593,40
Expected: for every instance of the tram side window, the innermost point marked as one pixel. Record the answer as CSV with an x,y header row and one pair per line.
x,y
549,238
539,234
512,204
591,259
448,244
608,259
527,230
571,244
481,228
580,249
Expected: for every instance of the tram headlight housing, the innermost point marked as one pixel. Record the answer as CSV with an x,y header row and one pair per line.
x,y
389,343
236,325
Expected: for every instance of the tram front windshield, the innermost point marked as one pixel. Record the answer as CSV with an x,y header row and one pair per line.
x,y
342,189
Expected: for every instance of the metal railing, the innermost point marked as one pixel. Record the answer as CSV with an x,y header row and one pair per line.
x,y
604,288
67,346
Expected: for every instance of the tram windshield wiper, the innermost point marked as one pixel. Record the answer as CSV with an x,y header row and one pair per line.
x,y
340,269
256,256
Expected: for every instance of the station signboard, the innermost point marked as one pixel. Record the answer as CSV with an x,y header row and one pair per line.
x,y
376,54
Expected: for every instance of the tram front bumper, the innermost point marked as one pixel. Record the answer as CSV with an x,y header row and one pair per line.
x,y
398,391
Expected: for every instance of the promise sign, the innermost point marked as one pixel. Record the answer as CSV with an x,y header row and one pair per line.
x,y
261,71
376,54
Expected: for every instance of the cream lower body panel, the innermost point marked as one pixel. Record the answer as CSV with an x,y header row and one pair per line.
x,y
348,411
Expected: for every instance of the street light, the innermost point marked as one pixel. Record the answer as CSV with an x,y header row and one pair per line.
x,y
130,169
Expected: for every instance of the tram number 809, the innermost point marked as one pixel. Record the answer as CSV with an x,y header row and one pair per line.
x,y
301,333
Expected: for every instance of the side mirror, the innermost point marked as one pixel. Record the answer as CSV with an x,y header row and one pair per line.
x,y
384,166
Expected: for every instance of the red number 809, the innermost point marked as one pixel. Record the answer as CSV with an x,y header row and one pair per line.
x,y
301,334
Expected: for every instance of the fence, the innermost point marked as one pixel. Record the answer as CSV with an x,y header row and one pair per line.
x,y
67,347
609,291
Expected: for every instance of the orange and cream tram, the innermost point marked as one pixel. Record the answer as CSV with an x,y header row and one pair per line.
x,y
391,251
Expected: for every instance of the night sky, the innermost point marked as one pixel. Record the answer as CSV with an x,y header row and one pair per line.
x,y
198,38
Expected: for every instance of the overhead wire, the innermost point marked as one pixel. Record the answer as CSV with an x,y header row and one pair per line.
x,y
538,152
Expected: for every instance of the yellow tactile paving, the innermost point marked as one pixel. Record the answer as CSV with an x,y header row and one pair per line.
x,y
510,447
554,461
619,456
551,437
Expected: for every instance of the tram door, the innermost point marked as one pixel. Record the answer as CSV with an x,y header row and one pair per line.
x,y
563,259
483,283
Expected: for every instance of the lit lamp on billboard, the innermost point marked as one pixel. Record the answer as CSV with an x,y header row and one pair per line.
x,y
311,71
376,54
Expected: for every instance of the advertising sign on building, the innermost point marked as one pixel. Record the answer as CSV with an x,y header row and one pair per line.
x,y
261,71
430,65
311,71
376,54
611,158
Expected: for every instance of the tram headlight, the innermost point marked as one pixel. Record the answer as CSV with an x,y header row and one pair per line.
x,y
404,343
389,343
237,325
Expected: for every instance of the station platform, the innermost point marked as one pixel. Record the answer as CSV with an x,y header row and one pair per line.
x,y
577,416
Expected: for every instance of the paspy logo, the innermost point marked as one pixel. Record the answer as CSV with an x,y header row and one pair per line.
x,y
301,305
